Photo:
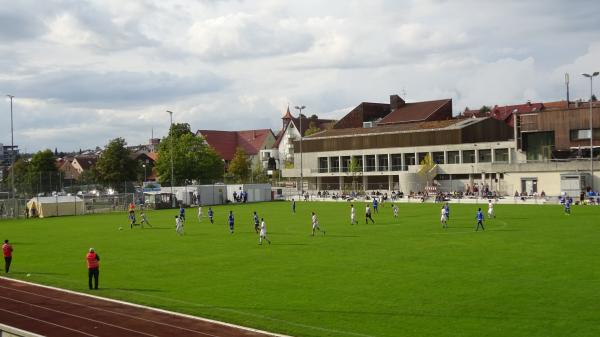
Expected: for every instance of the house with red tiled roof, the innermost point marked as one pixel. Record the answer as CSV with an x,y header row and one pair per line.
x,y
84,163
275,157
506,113
65,166
226,143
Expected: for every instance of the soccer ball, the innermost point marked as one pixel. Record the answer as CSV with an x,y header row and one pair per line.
x,y
120,228
28,275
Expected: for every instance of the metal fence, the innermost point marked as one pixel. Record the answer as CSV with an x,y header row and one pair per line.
x,y
17,208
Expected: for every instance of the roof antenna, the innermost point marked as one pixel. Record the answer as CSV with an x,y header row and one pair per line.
x,y
403,93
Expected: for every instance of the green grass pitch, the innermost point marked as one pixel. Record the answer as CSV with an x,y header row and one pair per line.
x,y
533,272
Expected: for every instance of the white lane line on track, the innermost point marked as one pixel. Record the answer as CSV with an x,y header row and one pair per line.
x,y
80,317
306,326
46,322
111,312
151,308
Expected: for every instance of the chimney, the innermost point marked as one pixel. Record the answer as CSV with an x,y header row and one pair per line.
x,y
254,134
396,102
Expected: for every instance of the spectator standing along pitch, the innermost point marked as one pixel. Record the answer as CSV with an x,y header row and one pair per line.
x,y
7,252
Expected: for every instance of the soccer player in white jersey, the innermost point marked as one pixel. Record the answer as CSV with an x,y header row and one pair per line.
x,y
178,225
200,213
352,215
395,208
444,218
315,224
491,209
263,232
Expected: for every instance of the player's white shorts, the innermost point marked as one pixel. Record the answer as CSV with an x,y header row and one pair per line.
x,y
444,218
263,234
490,211
315,225
352,218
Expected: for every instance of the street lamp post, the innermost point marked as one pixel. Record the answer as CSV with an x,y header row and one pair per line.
x,y
12,154
591,77
300,108
144,166
171,136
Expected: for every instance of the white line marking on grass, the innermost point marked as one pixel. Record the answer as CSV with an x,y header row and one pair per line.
x,y
301,325
41,320
494,229
143,306
77,316
110,311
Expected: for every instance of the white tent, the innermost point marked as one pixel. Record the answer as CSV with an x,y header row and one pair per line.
x,y
55,206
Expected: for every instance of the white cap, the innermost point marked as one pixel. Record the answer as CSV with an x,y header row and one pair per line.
x,y
91,250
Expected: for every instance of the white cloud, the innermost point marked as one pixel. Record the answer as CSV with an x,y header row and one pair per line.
x,y
66,29
87,71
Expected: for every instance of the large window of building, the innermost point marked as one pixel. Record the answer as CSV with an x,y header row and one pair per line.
x,y
438,157
468,156
397,162
370,163
453,157
421,157
584,134
382,162
484,156
323,165
501,155
410,159
345,163
335,164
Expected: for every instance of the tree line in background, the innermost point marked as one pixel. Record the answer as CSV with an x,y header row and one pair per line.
x,y
193,160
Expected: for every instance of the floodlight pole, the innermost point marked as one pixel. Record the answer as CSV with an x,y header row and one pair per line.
x,y
12,154
591,77
171,136
300,108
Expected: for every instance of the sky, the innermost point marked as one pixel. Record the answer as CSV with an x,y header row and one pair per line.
x,y
84,72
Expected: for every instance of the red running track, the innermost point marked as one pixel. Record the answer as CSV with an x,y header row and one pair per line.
x,y
53,312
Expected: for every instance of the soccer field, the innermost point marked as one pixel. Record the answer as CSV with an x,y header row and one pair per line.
x,y
533,272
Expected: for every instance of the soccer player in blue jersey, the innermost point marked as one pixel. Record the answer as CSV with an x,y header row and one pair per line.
x,y
447,207
211,215
375,205
479,219
231,221
256,223
568,206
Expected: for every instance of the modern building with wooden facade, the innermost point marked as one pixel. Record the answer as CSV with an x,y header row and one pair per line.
x,y
380,146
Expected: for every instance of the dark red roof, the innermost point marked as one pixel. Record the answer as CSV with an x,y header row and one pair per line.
x,y
416,112
287,115
505,113
475,113
86,162
227,142
322,124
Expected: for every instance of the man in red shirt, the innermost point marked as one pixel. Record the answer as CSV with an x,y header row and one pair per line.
x,y
93,264
7,250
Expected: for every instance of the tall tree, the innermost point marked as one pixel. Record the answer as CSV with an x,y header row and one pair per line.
x,y
193,159
355,169
312,129
427,169
240,165
43,172
22,179
115,166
